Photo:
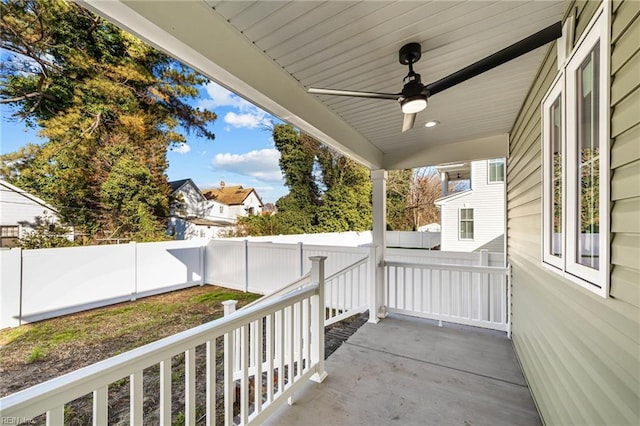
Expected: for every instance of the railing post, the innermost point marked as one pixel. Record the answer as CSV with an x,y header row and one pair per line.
x,y
229,307
317,319
374,302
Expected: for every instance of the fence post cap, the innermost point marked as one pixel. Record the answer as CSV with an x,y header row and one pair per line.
x,y
317,257
229,302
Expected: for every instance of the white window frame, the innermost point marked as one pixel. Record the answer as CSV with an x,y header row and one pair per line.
x,y
591,279
473,220
547,170
496,161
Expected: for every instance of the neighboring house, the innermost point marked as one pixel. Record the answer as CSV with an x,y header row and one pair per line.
x,y
20,213
193,216
473,219
241,201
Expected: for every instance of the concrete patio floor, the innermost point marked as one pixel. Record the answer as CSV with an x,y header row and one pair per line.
x,y
409,371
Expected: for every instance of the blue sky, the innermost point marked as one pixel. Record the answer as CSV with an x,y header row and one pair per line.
x,y
242,153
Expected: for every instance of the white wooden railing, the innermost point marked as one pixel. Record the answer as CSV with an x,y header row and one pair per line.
x,y
463,294
281,345
346,292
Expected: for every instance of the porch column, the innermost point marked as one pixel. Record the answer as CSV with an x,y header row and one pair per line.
x,y
377,307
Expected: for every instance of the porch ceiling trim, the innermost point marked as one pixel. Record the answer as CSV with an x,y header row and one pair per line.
x,y
468,150
218,51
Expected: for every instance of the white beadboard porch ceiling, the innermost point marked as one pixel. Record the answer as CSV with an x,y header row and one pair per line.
x,y
271,51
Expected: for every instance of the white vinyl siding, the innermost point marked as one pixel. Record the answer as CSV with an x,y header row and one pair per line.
x,y
487,201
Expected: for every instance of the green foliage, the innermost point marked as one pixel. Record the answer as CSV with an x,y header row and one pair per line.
x,y
37,353
46,236
256,225
327,191
104,101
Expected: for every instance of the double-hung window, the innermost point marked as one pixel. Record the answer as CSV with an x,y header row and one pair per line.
x,y
496,170
575,128
466,224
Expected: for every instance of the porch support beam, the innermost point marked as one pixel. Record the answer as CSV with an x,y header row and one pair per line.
x,y
377,307
496,146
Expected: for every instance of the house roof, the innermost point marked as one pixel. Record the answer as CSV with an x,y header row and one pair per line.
x,y
271,52
455,195
230,195
27,195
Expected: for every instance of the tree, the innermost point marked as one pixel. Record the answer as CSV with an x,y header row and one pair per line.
x,y
398,189
411,196
45,235
108,105
425,189
328,192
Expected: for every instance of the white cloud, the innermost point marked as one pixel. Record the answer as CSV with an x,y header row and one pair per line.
x,y
249,115
250,120
182,149
260,164
220,97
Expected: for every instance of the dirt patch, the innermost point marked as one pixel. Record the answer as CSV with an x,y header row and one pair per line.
x,y
35,353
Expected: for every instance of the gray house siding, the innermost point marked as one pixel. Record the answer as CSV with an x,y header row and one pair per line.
x,y
580,353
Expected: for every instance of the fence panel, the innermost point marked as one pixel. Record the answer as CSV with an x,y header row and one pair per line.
x,y
413,239
225,263
270,265
338,257
62,280
170,264
10,287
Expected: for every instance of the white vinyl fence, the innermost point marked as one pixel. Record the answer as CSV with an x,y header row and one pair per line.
x,y
45,283
262,267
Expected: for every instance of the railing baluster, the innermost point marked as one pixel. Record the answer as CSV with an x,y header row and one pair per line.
x,y
253,344
190,387
490,279
306,331
100,406
257,381
135,398
299,336
55,416
229,383
281,333
211,382
270,355
244,380
290,345
165,392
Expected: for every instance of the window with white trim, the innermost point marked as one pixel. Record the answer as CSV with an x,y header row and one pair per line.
x,y
575,130
466,224
496,170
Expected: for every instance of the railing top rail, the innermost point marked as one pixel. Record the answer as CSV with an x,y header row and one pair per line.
x,y
45,396
442,267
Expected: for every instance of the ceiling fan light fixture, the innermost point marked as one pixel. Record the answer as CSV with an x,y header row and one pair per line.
x,y
413,105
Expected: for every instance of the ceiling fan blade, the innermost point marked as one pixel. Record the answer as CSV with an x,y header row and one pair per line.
x,y
372,95
408,121
507,54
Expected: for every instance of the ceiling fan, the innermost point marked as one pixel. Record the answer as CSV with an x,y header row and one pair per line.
x,y
414,95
